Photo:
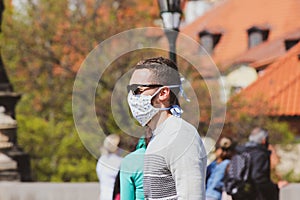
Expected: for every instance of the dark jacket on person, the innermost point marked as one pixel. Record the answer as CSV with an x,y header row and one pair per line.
x,y
260,172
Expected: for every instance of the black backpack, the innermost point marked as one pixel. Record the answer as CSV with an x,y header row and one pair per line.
x,y
237,180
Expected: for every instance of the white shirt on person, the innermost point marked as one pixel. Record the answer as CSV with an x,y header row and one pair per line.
x,y
107,169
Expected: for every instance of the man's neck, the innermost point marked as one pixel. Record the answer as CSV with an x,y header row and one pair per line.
x,y
158,119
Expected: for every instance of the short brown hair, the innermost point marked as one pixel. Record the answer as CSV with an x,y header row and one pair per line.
x,y
164,72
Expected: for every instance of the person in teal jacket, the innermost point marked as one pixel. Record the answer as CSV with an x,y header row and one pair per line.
x,y
131,173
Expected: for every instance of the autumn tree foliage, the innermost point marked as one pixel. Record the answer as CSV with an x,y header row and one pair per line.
x,y
43,45
245,114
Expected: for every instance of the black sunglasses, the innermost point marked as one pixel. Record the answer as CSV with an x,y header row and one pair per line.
x,y
137,88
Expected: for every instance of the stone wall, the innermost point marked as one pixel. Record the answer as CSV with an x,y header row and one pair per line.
x,y
84,191
290,192
48,191
289,160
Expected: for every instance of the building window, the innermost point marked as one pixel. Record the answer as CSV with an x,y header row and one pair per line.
x,y
290,43
256,36
208,41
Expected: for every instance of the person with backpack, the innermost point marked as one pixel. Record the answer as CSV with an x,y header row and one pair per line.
x,y
260,161
248,174
216,170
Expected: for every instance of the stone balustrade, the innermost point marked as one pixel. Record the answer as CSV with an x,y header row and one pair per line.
x,y
84,191
48,191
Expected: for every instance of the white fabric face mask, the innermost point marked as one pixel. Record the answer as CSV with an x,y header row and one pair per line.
x,y
141,107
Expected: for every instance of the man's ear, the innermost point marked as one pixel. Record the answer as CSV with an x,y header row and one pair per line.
x,y
164,94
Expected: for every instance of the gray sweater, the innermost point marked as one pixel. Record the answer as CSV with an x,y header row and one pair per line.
x,y
175,162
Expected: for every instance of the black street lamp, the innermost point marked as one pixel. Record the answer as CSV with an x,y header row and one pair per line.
x,y
170,12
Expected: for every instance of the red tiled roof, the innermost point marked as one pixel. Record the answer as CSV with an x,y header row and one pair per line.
x,y
266,52
234,17
279,85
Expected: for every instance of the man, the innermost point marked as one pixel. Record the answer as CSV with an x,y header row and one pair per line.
x,y
260,165
175,159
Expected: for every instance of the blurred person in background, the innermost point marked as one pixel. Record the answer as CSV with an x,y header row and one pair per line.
x,y
108,166
132,172
257,146
216,170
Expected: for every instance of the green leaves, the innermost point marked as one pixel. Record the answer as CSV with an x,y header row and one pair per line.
x,y
55,149
43,44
